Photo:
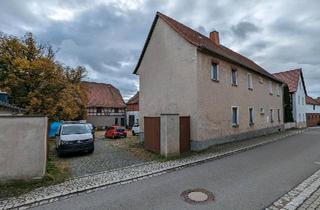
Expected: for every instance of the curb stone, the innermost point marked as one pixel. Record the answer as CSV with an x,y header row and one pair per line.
x,y
125,175
297,196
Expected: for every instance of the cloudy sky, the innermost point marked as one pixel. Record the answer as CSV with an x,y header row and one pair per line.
x,y
107,36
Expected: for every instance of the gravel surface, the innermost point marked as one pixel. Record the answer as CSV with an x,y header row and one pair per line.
x,y
105,157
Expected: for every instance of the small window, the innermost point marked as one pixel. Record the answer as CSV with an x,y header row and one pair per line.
x,y
278,90
270,88
260,80
235,116
214,72
251,116
250,83
262,111
271,115
116,121
99,110
314,107
116,110
234,75
279,116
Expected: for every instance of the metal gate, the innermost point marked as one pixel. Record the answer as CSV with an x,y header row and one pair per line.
x,y
152,134
184,134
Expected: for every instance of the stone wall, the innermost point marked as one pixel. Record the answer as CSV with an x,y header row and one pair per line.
x,y
23,150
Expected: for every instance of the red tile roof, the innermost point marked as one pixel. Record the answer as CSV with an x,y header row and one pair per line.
x,y
134,99
102,95
312,101
291,78
206,45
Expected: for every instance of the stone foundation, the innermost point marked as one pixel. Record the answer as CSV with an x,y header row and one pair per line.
x,y
201,145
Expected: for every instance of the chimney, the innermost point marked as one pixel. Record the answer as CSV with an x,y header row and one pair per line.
x,y
214,36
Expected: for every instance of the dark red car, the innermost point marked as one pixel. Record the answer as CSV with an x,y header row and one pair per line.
x,y
115,132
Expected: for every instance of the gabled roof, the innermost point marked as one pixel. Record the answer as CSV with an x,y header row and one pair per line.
x,y
291,78
312,101
102,95
134,99
205,45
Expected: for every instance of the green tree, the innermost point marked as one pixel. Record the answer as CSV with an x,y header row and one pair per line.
x,y
37,82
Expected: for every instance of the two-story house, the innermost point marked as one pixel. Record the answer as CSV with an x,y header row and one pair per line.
x,y
294,80
312,111
105,105
133,110
227,96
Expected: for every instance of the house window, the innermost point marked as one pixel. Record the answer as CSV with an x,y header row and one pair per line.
x,y
234,79
262,111
270,88
116,110
214,72
278,90
271,115
260,80
122,121
314,107
279,117
99,110
251,116
235,116
250,84
116,121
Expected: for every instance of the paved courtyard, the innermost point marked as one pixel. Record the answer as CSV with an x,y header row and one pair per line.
x,y
105,157
311,203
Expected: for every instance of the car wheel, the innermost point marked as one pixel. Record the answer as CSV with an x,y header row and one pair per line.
x,y
60,153
133,133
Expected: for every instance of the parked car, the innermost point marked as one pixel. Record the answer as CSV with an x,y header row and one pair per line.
x,y
115,132
135,129
92,128
74,137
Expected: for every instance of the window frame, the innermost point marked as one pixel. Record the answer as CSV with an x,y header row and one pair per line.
x,y
250,81
251,115
270,88
279,115
217,70
234,70
278,90
271,116
235,125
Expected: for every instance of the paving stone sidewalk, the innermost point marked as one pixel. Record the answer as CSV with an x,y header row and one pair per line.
x,y
313,202
305,196
93,182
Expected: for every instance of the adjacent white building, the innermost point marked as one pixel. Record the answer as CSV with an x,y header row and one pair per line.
x,y
294,80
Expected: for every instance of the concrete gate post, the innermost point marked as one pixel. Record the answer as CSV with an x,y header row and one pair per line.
x,y
169,135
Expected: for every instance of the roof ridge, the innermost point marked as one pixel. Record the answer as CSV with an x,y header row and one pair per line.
x,y
280,72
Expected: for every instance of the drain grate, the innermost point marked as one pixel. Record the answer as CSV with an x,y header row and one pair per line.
x,y
197,196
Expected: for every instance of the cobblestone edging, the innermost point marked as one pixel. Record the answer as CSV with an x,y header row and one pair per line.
x,y
98,181
297,196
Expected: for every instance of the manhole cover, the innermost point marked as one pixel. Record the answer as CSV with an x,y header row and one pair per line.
x,y
197,196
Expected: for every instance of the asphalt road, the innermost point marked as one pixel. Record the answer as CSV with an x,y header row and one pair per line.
x,y
247,180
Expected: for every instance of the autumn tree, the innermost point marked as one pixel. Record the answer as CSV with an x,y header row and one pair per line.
x,y
37,82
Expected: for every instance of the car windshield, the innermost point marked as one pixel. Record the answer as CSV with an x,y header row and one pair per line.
x,y
120,129
75,129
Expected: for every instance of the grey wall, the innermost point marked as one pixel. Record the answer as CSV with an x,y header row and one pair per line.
x,y
23,147
102,121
